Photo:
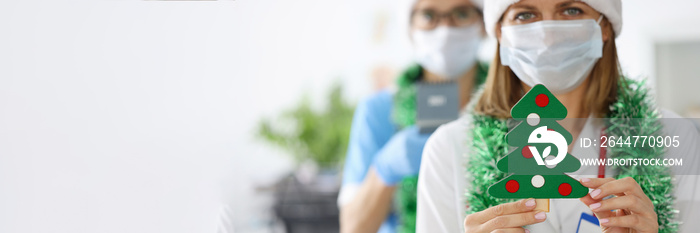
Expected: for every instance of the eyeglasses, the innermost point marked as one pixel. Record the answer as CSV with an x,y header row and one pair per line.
x,y
428,19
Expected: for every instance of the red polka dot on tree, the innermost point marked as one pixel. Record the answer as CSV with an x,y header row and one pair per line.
x,y
542,100
565,189
526,152
512,186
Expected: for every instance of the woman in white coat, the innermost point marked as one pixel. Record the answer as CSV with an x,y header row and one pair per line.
x,y
569,46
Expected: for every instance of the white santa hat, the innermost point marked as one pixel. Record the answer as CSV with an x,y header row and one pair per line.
x,y
494,9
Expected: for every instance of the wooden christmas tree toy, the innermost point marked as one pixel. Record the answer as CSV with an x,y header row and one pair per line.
x,y
538,165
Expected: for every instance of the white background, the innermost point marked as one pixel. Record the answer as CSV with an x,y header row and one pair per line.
x,y
138,116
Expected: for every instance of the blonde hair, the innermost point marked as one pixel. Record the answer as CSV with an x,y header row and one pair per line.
x,y
503,89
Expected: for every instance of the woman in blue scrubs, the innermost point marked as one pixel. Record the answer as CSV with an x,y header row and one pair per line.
x,y
385,145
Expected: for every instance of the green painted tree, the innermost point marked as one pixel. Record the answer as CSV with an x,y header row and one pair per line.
x,y
537,166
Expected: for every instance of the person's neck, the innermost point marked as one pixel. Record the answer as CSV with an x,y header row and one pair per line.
x,y
465,83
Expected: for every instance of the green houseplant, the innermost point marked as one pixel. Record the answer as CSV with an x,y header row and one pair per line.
x,y
307,134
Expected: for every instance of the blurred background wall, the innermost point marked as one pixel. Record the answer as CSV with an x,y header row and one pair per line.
x,y
140,116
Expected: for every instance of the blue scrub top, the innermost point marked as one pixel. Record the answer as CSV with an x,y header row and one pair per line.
x,y
372,128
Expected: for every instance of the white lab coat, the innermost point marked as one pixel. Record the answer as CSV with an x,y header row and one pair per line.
x,y
443,180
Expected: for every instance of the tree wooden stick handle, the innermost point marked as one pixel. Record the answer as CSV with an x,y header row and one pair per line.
x,y
542,205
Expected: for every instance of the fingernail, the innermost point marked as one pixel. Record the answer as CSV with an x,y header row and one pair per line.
x,y
584,180
540,216
527,231
603,221
595,206
530,203
595,193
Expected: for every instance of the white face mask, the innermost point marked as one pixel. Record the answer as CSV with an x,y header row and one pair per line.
x,y
558,54
447,51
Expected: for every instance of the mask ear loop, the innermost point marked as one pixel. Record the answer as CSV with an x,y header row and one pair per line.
x,y
600,19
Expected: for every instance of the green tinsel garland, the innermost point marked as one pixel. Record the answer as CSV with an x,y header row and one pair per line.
x,y
404,108
407,203
634,106
487,147
404,114
633,103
